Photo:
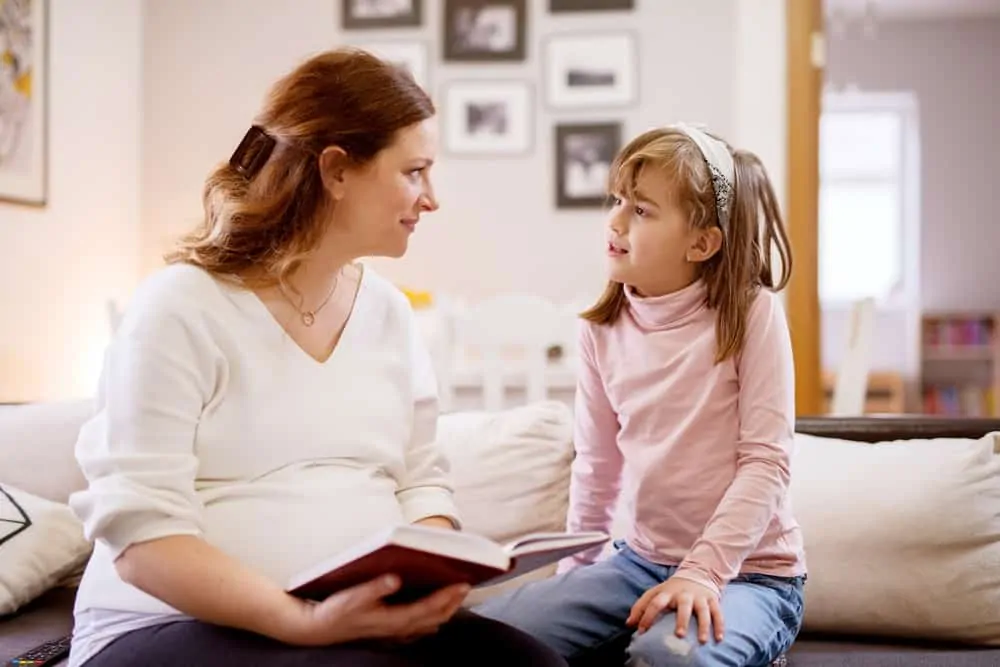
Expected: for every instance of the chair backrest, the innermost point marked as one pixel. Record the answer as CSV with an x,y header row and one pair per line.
x,y
851,389
510,336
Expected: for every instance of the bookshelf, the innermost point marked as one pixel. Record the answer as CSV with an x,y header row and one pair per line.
x,y
960,363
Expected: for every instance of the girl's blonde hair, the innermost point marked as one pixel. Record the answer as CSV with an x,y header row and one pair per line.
x,y
743,264
263,218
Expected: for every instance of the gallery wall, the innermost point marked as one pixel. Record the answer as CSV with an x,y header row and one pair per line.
x,y
144,98
500,228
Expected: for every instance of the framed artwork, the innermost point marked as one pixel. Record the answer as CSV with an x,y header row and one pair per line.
x,y
488,118
590,70
412,55
485,30
363,14
24,101
584,153
557,6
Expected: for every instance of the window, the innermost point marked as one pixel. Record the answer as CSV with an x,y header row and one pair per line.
x,y
869,198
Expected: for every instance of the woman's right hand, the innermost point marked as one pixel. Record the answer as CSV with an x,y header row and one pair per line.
x,y
362,613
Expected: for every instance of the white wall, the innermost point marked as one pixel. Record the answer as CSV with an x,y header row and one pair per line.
x,y
208,65
63,261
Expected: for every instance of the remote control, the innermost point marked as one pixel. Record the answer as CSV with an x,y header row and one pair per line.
x,y
44,655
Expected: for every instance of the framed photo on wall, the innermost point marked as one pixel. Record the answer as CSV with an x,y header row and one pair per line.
x,y
492,118
485,30
585,70
412,55
24,102
363,14
584,153
557,6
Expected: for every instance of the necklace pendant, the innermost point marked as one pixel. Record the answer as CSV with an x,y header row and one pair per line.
x,y
308,319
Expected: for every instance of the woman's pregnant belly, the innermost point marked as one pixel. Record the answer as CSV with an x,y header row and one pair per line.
x,y
296,517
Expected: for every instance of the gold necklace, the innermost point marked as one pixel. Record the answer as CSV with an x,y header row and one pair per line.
x,y
308,317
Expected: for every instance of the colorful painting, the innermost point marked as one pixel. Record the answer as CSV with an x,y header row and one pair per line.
x,y
23,114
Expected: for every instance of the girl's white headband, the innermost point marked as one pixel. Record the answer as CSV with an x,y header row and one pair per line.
x,y
720,165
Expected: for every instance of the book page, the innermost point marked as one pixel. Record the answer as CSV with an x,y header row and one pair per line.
x,y
538,550
541,542
456,544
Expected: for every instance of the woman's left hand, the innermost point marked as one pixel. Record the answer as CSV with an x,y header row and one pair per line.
x,y
436,522
685,597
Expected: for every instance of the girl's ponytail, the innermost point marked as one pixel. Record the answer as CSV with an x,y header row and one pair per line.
x,y
755,231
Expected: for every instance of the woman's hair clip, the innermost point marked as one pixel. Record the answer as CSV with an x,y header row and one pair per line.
x,y
250,156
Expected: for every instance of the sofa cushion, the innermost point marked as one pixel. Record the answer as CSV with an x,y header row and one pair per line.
x,y
41,543
510,468
511,472
902,538
36,447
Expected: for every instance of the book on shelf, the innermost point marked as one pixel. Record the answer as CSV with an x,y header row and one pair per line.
x,y
427,559
956,400
959,331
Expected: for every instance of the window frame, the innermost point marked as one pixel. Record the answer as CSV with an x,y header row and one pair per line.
x,y
907,296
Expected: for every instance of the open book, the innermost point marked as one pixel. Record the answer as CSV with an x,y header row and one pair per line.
x,y
427,559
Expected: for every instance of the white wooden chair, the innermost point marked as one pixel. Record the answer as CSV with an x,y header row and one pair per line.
x,y
506,340
851,389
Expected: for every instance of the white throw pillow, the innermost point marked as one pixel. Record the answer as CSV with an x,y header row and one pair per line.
x,y
41,543
902,538
511,472
36,447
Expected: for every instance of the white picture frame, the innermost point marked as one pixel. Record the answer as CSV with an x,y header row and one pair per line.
x,y
489,118
24,112
412,54
591,70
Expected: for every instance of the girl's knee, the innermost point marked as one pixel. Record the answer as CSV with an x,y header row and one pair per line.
x,y
660,647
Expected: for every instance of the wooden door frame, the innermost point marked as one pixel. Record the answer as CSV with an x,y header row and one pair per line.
x,y
804,42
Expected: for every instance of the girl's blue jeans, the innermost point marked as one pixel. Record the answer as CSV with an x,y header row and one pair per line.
x,y
582,613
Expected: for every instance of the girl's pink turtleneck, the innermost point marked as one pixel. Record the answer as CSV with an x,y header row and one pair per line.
x,y
700,451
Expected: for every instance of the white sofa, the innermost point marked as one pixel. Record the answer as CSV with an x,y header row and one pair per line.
x,y
902,536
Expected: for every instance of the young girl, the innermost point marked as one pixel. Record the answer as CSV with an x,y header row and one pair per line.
x,y
685,402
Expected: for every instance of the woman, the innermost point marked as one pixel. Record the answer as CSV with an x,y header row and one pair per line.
x,y
267,402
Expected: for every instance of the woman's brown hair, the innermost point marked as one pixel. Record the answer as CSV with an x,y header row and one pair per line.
x,y
743,265
264,215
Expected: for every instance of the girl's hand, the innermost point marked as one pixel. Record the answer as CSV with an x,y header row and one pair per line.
x,y
361,613
685,597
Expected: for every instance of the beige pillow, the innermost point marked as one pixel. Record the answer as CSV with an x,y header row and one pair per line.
x,y
41,543
902,538
37,444
511,472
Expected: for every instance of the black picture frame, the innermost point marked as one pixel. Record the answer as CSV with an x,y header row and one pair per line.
x,y
567,6
350,20
593,143
460,32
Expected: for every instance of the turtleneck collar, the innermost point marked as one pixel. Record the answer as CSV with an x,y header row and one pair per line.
x,y
670,310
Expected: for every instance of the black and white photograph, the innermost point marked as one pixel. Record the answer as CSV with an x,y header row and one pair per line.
x,y
557,6
590,70
485,30
584,153
488,118
362,14
412,55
